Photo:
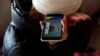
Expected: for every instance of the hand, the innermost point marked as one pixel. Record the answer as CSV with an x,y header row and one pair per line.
x,y
64,31
74,18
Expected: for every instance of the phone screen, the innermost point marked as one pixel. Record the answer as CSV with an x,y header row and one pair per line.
x,y
53,27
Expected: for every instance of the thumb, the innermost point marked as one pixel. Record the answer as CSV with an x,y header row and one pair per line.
x,y
64,29
42,24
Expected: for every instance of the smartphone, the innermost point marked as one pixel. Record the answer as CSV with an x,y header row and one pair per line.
x,y
52,27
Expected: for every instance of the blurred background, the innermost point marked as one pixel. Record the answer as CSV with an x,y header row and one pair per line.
x,y
5,18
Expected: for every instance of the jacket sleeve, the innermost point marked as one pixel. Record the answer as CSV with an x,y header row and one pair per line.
x,y
13,47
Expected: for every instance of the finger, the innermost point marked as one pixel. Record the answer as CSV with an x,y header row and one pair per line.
x,y
85,17
64,23
77,17
42,24
82,17
64,28
72,24
72,21
74,17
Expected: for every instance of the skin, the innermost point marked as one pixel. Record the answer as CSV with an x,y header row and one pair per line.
x,y
68,21
88,9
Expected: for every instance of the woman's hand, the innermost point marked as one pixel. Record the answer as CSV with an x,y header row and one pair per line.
x,y
74,18
67,21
